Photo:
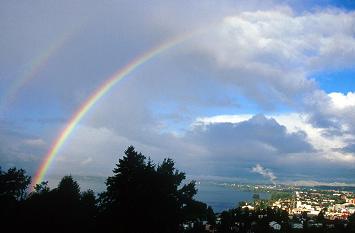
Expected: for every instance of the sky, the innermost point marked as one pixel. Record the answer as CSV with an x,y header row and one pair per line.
x,y
257,91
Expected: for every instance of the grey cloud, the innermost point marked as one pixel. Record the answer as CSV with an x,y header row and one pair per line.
x,y
192,76
18,148
258,135
218,149
350,148
324,113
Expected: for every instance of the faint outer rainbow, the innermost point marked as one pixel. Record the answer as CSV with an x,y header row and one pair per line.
x,y
36,66
95,96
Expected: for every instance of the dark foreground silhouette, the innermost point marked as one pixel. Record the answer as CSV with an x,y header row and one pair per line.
x,y
140,197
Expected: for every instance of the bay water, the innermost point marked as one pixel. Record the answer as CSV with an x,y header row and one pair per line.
x,y
220,196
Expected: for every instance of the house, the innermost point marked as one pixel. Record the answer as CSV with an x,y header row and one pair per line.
x,y
297,226
249,207
209,228
274,225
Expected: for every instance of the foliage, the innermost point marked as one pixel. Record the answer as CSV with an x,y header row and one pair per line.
x,y
276,195
13,184
69,188
154,196
41,188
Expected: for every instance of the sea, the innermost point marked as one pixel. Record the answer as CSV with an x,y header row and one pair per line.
x,y
220,196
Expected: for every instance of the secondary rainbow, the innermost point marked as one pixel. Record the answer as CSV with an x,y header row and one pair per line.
x,y
36,66
95,96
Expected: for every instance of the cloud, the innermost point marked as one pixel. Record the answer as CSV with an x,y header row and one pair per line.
x,y
265,173
253,57
293,123
335,112
86,161
206,149
340,101
270,54
38,142
257,133
18,148
222,119
350,148
317,183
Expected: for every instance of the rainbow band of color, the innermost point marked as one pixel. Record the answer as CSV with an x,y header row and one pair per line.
x,y
36,66
97,94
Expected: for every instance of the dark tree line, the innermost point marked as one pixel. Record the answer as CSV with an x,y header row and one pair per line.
x,y
140,197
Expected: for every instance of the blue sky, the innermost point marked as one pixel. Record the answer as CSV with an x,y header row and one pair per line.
x,y
336,81
266,87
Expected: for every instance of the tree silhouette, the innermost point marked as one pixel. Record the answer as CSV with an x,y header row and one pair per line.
x,y
69,188
63,209
41,188
143,197
13,184
89,211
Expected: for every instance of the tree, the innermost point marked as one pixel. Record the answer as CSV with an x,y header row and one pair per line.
x,y
88,199
41,188
69,188
13,191
63,209
227,222
143,197
13,184
351,226
211,217
89,203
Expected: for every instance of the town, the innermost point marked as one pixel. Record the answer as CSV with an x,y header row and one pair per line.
x,y
293,209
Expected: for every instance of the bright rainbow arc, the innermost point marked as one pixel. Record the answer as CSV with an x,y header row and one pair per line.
x,y
97,94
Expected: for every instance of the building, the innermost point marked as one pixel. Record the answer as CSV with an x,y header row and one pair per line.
x,y
274,225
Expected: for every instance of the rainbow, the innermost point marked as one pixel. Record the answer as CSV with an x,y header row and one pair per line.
x,y
95,96
35,67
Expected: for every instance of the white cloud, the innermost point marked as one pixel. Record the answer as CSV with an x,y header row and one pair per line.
x,y
341,101
279,38
222,119
270,54
333,112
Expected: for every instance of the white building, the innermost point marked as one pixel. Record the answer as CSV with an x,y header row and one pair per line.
x,y
274,225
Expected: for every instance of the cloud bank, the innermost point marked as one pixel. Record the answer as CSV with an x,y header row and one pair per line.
x,y
242,92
